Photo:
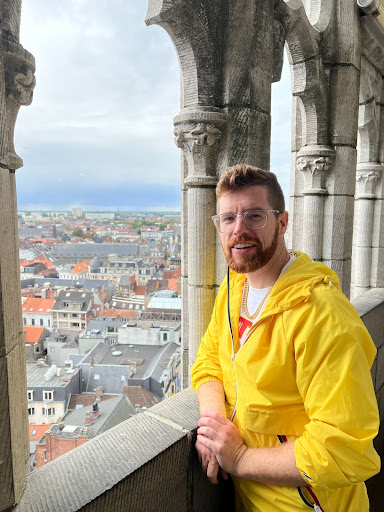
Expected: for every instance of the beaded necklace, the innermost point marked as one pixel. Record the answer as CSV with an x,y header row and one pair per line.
x,y
245,300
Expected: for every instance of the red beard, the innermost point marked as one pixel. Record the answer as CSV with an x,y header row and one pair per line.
x,y
250,263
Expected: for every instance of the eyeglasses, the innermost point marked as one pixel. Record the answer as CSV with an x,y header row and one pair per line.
x,y
253,219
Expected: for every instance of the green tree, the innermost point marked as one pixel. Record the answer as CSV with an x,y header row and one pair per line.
x,y
78,232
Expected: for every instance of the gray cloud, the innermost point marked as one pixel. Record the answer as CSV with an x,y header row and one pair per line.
x,y
107,91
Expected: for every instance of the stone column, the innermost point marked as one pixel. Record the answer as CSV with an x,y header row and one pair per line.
x,y
229,52
367,177
16,87
198,133
315,162
344,51
368,223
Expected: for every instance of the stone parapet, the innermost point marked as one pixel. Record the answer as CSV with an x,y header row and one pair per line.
x,y
370,306
146,463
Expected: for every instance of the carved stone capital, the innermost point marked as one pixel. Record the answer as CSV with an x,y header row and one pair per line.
x,y
367,177
315,162
198,133
18,68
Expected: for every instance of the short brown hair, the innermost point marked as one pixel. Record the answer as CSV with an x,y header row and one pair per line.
x,y
243,175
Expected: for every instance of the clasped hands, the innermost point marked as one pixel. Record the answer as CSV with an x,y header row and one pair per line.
x,y
219,446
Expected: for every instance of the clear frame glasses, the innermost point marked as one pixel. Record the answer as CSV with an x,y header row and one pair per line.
x,y
253,219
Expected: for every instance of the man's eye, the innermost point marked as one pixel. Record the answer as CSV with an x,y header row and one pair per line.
x,y
254,215
228,219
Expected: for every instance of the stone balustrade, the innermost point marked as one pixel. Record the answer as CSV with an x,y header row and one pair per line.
x,y
147,463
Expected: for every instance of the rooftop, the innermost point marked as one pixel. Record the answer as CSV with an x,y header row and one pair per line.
x,y
33,334
37,305
37,375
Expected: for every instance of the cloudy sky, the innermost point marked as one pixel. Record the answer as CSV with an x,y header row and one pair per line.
x,y
99,133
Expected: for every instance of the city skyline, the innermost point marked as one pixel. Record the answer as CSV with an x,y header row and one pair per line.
x,y
99,133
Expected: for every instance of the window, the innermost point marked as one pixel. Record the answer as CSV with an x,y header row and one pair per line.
x,y
47,396
36,348
31,411
165,336
24,321
48,412
30,394
49,322
45,455
41,322
75,324
74,315
63,324
34,432
33,321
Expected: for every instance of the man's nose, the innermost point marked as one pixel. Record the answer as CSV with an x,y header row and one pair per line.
x,y
240,225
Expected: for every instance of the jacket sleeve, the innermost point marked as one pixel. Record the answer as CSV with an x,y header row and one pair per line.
x,y
207,366
334,352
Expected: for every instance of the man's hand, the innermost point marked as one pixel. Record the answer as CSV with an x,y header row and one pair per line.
x,y
209,463
220,438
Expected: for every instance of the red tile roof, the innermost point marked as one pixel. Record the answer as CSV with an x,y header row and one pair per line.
x,y
141,397
83,266
39,259
172,274
36,305
33,334
40,431
172,284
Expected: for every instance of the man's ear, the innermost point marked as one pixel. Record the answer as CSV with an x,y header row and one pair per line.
x,y
283,222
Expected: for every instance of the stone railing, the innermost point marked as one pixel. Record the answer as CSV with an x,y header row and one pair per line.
x,y
370,306
148,463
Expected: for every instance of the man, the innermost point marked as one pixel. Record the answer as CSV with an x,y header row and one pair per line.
x,y
287,402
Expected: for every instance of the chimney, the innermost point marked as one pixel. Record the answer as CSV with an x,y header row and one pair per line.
x,y
92,363
88,418
95,411
61,426
99,393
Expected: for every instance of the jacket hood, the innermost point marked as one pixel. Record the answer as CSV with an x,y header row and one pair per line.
x,y
295,284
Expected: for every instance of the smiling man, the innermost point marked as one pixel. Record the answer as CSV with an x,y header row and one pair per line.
x,y
283,372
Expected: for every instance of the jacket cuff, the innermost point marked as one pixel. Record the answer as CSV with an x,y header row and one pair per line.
x,y
203,380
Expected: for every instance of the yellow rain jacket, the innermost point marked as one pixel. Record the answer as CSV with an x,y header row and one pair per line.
x,y
304,372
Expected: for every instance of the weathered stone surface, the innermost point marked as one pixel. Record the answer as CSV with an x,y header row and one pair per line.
x,y
201,207
347,44
338,217
344,87
342,180
372,43
248,138
200,306
13,391
17,82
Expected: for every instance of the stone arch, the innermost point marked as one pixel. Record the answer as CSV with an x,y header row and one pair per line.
x,y
198,56
308,77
